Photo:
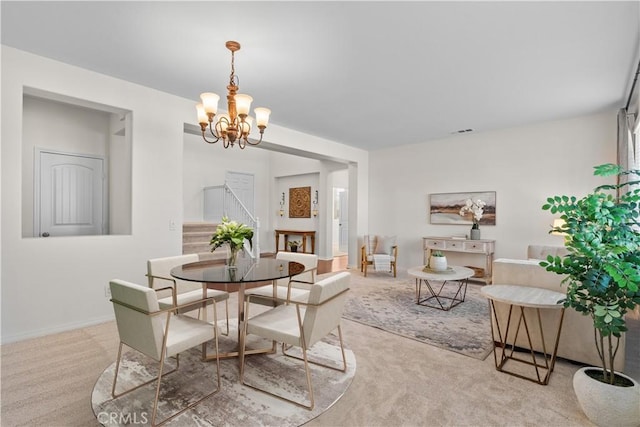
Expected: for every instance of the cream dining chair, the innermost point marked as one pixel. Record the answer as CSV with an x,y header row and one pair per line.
x,y
301,324
295,288
159,274
157,333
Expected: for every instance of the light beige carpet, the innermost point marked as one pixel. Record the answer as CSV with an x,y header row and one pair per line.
x,y
399,382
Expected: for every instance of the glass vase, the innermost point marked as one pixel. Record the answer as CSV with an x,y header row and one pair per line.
x,y
233,257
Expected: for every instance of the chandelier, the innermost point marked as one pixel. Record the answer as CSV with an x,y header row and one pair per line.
x,y
235,126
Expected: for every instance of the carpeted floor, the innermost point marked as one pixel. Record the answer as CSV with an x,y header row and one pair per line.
x,y
48,381
390,304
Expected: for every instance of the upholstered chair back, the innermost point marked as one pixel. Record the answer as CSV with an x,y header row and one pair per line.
x,y
379,244
136,329
310,262
542,251
370,244
161,267
326,304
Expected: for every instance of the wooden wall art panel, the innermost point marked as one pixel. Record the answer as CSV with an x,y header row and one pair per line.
x,y
300,202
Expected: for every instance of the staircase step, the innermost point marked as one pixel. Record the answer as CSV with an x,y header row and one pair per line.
x,y
194,227
196,237
196,248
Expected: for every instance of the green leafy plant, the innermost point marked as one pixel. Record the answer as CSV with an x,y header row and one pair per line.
x,y
232,233
437,254
293,244
602,236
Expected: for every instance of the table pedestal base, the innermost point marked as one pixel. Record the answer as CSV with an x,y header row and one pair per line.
x,y
543,364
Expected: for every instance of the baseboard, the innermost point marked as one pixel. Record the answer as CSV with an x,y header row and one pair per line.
x,y
338,263
54,330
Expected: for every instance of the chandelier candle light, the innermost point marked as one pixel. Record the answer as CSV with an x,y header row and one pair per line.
x,y
236,125
476,208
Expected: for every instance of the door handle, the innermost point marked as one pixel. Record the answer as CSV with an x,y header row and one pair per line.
x,y
45,234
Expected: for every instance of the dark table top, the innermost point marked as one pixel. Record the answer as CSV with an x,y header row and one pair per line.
x,y
247,270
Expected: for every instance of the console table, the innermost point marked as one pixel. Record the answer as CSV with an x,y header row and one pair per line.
x,y
486,248
304,235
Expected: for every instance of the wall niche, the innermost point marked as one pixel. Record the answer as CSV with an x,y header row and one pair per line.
x,y
76,167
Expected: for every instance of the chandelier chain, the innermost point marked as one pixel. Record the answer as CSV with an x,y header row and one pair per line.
x,y
233,69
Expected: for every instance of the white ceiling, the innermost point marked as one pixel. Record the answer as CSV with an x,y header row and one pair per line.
x,y
367,74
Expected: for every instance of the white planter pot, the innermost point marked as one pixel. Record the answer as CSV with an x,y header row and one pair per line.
x,y
438,263
605,404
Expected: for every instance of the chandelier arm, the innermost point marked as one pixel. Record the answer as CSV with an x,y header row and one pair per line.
x,y
203,127
259,141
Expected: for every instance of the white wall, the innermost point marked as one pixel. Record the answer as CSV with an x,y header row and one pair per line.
x,y
524,165
207,165
49,285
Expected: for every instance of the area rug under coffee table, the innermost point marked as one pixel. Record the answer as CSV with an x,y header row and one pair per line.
x,y
235,404
390,304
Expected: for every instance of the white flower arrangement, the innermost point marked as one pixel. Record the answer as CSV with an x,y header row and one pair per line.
x,y
476,208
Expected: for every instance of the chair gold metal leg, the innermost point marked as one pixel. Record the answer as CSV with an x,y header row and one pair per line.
x,y
305,359
158,380
193,404
226,310
311,404
344,357
115,377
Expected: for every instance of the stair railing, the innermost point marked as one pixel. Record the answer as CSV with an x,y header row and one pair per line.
x,y
219,201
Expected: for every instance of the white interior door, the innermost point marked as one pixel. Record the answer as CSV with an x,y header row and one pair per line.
x,y
343,224
242,185
71,195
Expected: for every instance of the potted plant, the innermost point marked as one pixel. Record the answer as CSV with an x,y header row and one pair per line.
x,y
602,271
437,261
293,245
233,234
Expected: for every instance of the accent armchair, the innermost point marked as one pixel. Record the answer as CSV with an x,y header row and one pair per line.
x,y
302,325
158,334
379,251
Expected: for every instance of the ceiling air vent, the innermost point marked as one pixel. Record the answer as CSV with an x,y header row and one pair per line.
x,y
462,131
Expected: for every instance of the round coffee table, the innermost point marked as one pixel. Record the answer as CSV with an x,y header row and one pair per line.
x,y
456,275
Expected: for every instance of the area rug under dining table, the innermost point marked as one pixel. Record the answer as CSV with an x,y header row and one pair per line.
x,y
235,404
389,304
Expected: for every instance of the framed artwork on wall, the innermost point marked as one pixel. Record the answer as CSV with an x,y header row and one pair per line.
x,y
300,202
444,208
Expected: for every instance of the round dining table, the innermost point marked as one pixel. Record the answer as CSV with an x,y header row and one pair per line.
x,y
235,278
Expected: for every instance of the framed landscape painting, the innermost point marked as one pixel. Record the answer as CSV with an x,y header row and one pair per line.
x,y
444,208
